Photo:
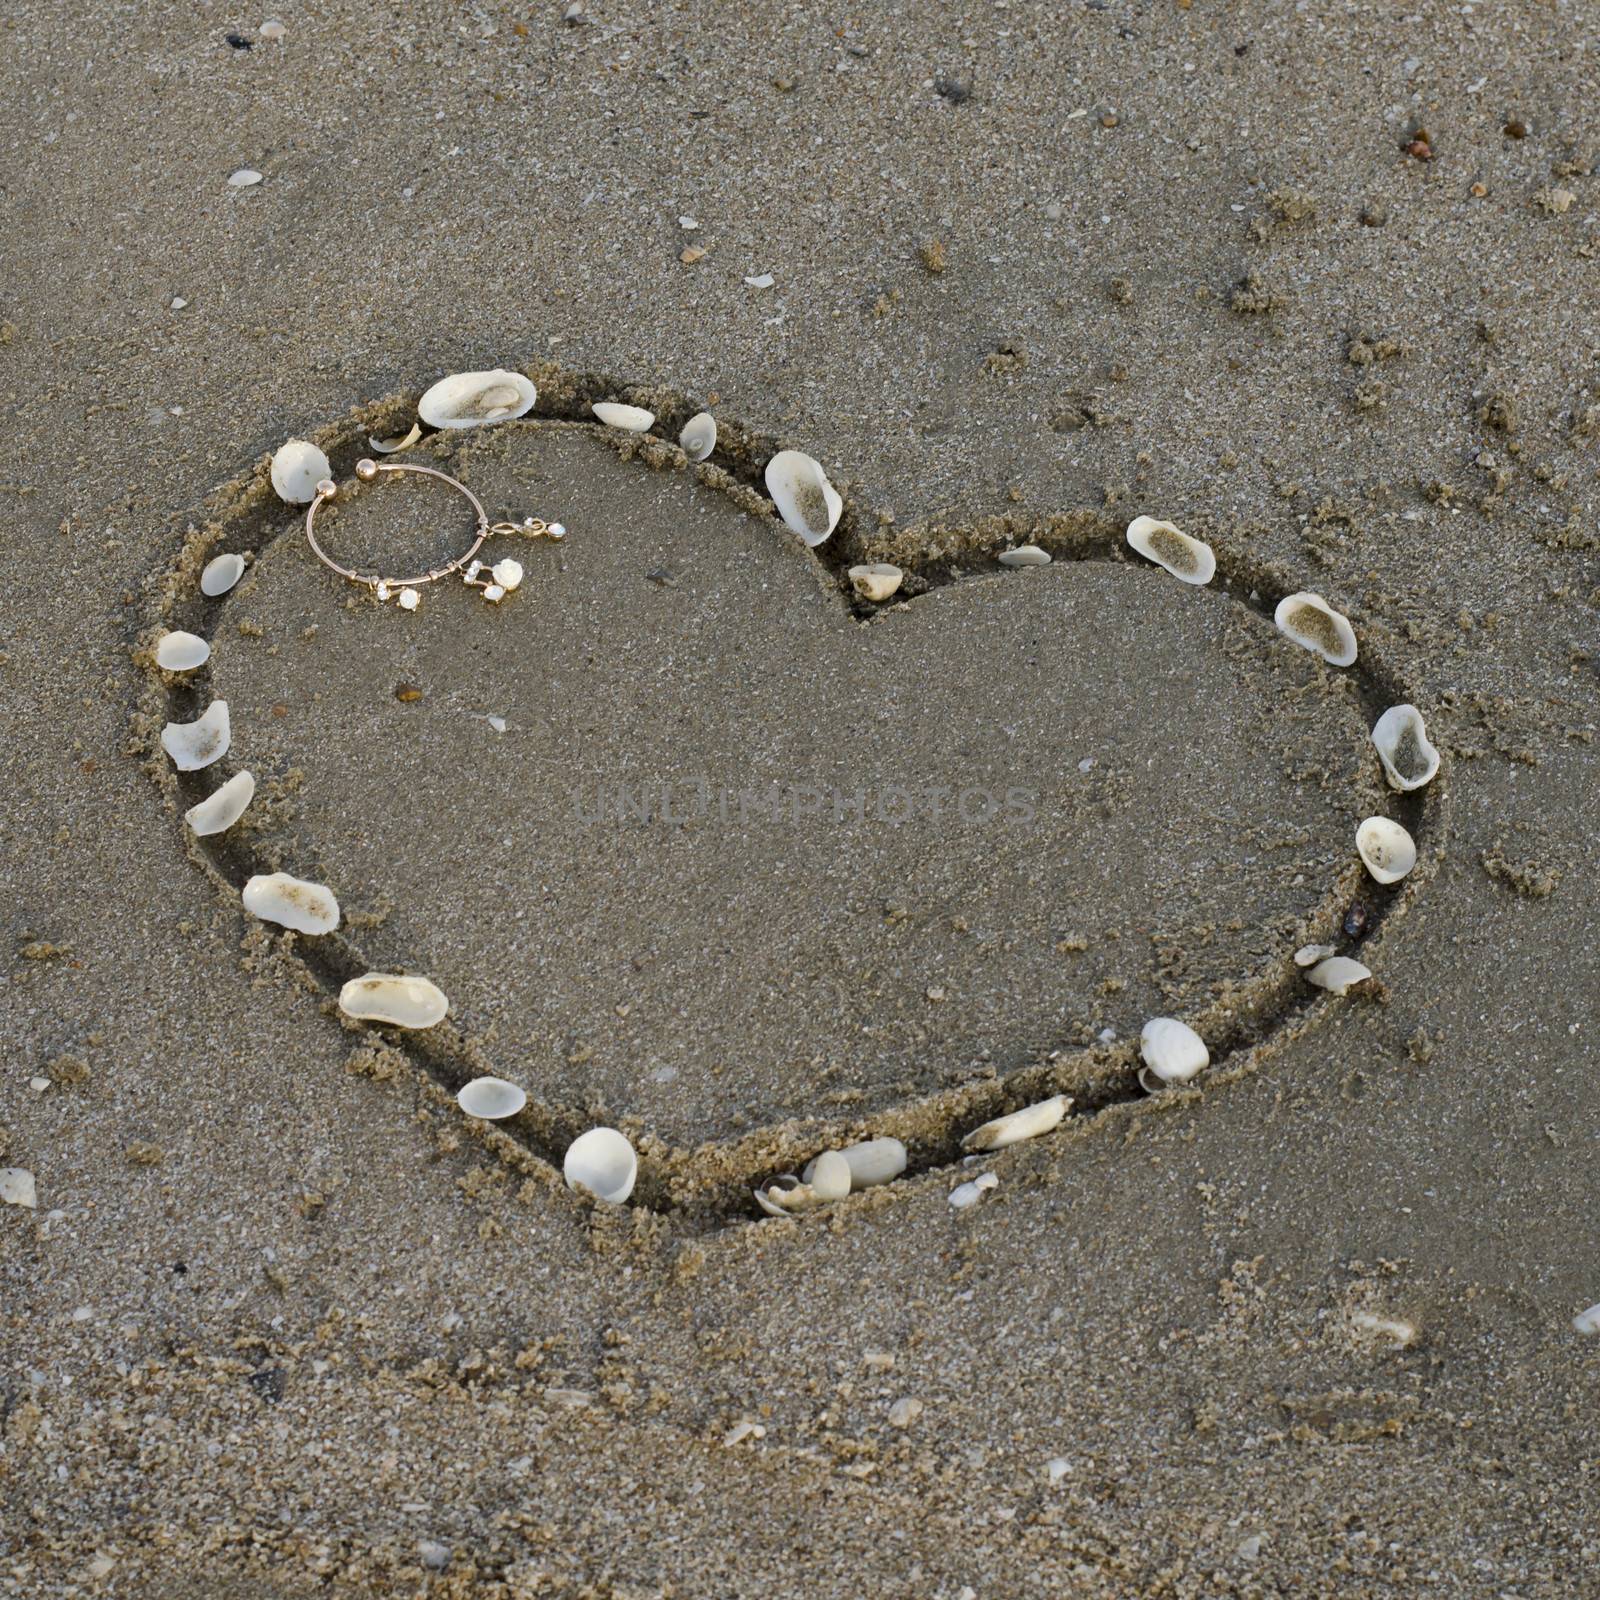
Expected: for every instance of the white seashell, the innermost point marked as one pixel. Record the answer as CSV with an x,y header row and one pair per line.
x,y
220,575
470,399
740,1431
1338,973
297,468
387,447
1025,555
1387,849
17,1188
829,1176
872,1161
762,280
806,501
603,1162
1057,1467
904,1412
1189,560
773,1197
244,178
877,582
1313,624
1401,737
181,652
490,1099
390,997
1587,1321
507,573
1308,955
272,29
193,745
631,419
1173,1052
969,1194
292,902
222,807
1028,1123
699,436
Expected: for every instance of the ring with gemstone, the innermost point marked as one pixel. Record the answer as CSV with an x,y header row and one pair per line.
x,y
502,576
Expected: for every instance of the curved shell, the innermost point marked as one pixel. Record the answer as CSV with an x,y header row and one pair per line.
x,y
1028,1123
1189,560
291,902
773,1197
971,1192
1401,738
602,1162
470,399
829,1176
631,419
391,997
1314,625
490,1099
699,436
1386,848
1025,555
193,745
222,807
1173,1052
877,582
1587,1321
181,652
220,575
1308,955
1338,973
871,1162
297,468
806,501
404,441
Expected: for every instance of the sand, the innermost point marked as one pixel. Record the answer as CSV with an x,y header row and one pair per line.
x,y
283,1324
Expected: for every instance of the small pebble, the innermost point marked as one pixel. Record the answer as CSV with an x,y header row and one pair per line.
x,y
244,178
17,1188
764,281
272,29
969,1194
38,1085
904,1412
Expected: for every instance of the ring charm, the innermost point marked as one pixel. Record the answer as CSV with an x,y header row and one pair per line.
x,y
504,575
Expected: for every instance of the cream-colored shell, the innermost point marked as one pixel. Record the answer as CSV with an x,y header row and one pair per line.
x,y
1025,555
877,582
193,745
490,1099
298,466
1172,1051
631,419
291,902
17,1188
871,1162
1314,625
404,441
1308,955
1401,739
1187,559
699,436
222,807
971,1192
406,1002
1587,1321
221,573
1028,1123
602,1162
806,501
1338,974
1388,850
471,399
181,652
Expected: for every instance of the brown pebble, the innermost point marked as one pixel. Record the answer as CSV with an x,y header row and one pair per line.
x,y
1420,150
1515,128
280,711
405,693
692,254
1479,190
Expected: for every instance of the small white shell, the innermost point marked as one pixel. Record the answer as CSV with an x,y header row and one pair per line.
x,y
181,652
1587,1321
507,573
490,1099
603,1162
292,902
871,1162
17,1188
220,575
774,1197
387,447
1028,1123
1308,955
244,178
390,997
470,399
877,582
222,807
1313,624
631,419
699,436
830,1177
969,1194
1338,973
1189,560
1388,851
1025,555
297,468
193,745
1173,1052
1401,737
806,501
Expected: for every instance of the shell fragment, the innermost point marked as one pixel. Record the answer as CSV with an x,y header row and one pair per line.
x,y
1314,625
390,997
1028,1123
1338,974
1401,738
806,501
222,807
630,419
193,745
1189,560
291,902
181,652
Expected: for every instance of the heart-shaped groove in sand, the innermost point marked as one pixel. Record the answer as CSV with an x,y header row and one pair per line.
x,y
961,1017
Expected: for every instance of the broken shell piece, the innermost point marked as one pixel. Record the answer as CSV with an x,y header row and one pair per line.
x,y
1338,974
631,419
969,1194
1387,849
1025,555
871,1162
291,902
1308,955
1401,738
699,436
220,575
603,1162
490,1099
1173,1053
507,573
877,582
470,399
1190,560
297,468
1314,625
181,652
222,807
386,447
193,745
1028,1123
390,997
773,1197
17,1188
1585,1321
806,501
